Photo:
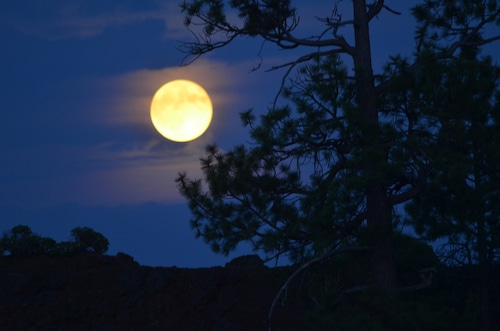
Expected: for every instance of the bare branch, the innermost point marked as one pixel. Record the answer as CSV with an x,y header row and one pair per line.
x,y
293,64
391,10
196,49
282,85
374,9
276,30
305,266
417,188
306,58
426,276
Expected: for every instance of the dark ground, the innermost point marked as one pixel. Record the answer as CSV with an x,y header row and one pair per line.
x,y
115,293
96,292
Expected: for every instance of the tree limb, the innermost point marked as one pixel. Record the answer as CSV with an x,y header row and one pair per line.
x,y
374,9
426,276
419,186
306,265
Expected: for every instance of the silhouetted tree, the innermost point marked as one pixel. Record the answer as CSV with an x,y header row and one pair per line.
x,y
344,155
88,240
20,241
461,201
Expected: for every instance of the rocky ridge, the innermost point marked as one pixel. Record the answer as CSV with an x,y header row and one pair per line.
x,y
96,292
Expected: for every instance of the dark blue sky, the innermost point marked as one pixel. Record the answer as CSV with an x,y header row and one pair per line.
x,y
77,145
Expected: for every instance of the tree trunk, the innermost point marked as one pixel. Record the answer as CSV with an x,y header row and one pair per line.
x,y
379,217
381,242
482,247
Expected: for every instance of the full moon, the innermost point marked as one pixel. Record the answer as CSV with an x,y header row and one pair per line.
x,y
181,110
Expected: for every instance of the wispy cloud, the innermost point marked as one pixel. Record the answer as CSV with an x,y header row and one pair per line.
x,y
77,19
105,150
144,168
174,21
131,93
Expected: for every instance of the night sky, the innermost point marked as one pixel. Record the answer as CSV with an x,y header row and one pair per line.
x,y
77,145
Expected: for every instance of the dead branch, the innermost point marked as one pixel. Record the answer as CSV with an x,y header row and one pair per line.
x,y
426,276
306,265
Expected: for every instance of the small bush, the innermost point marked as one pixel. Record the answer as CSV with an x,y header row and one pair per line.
x,y
20,241
88,240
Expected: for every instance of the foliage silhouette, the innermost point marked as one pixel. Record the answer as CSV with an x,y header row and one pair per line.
x,y
20,241
461,202
349,148
88,240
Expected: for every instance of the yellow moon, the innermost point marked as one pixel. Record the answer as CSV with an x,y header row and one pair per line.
x,y
181,110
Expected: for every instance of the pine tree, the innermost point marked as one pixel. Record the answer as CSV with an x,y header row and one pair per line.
x,y
336,162
461,201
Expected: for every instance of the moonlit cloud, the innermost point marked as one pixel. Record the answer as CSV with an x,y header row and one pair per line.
x,y
174,21
132,92
143,167
109,153
77,19
138,172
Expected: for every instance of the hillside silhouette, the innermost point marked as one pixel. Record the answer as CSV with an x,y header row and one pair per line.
x,y
99,292
72,285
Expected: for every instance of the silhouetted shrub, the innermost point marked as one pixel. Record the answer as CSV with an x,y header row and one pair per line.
x,y
88,240
66,248
47,245
20,241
